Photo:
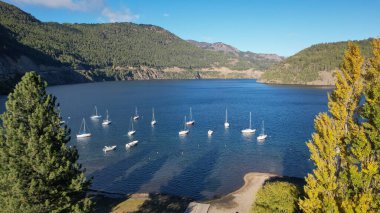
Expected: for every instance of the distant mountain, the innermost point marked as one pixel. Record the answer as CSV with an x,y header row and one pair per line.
x,y
314,65
263,61
71,53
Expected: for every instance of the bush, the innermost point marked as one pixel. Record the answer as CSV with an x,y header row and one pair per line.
x,y
277,197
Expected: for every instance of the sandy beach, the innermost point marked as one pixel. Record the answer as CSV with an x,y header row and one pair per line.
x,y
242,199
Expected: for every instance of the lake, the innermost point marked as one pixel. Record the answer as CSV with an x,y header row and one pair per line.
x,y
196,165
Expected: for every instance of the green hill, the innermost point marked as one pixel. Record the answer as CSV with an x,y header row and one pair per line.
x,y
69,53
313,65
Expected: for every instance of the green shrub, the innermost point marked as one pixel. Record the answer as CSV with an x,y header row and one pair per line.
x,y
277,197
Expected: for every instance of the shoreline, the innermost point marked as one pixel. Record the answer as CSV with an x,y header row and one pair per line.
x,y
240,200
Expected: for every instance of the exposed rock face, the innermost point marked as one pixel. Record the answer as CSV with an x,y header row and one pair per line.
x,y
222,47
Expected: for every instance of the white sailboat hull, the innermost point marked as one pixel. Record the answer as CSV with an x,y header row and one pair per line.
x,y
248,131
210,132
153,123
226,125
183,132
136,117
106,122
131,144
108,148
84,135
262,137
96,116
190,123
131,132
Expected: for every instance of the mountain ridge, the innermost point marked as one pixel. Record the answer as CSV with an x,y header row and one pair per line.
x,y
113,51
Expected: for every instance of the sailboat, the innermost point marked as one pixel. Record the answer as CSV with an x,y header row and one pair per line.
x,y
191,121
153,122
226,124
131,131
185,131
96,116
82,131
130,144
210,132
249,130
136,117
262,135
107,121
109,148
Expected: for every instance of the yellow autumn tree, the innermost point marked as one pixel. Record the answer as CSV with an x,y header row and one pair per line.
x,y
332,186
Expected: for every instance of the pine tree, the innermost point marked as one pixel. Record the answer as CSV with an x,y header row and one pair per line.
x,y
328,188
38,171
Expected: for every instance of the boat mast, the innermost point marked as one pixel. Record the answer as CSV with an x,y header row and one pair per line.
x,y
250,125
226,115
84,126
263,128
136,111
184,124
153,118
107,114
191,115
96,111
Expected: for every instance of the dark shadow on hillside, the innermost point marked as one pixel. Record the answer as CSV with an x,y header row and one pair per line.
x,y
193,180
52,70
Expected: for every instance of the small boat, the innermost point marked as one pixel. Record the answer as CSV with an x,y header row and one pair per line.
x,y
153,122
131,131
249,130
107,121
60,118
185,131
191,121
226,124
210,132
262,135
96,116
82,131
109,148
62,122
136,117
131,144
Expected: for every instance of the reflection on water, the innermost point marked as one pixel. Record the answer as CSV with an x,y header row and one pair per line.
x,y
195,165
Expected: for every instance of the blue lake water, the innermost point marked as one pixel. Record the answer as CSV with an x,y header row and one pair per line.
x,y
197,166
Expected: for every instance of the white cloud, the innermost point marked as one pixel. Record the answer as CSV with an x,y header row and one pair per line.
x,y
81,5
166,14
119,16
106,14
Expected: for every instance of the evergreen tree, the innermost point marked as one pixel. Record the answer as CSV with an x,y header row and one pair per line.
x,y
38,171
337,145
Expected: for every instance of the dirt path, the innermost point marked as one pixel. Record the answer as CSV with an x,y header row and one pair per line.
x,y
242,199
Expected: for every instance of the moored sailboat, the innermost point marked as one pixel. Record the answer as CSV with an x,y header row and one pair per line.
x,y
226,124
131,130
185,130
107,121
262,135
153,122
96,115
136,117
82,131
131,144
249,130
191,121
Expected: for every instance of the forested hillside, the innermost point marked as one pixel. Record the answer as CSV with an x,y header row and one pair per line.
x,y
313,65
100,51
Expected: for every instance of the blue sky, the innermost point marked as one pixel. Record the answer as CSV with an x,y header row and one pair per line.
x,y
267,26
